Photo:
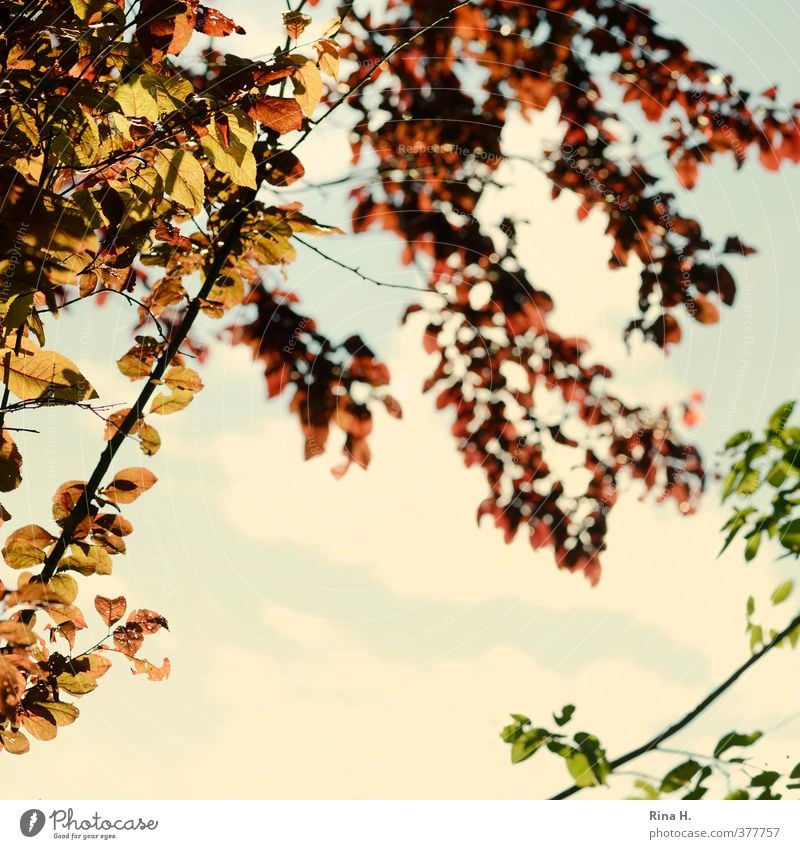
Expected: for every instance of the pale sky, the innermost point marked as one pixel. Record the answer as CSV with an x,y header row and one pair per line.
x,y
363,638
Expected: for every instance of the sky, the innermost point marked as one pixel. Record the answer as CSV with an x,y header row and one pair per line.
x,y
363,638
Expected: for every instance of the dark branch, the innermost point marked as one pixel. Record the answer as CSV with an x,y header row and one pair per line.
x,y
673,729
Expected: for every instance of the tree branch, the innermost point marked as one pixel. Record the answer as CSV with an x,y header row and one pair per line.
x,y
82,508
673,729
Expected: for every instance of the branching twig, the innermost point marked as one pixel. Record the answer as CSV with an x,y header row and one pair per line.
x,y
363,276
673,729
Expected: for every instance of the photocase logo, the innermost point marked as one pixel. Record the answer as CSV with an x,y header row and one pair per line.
x,y
31,822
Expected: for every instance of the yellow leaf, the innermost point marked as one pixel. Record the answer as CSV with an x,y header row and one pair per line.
x,y
164,405
44,375
15,742
62,712
184,180
307,83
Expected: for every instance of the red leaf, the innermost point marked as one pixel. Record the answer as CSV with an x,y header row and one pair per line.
x,y
213,22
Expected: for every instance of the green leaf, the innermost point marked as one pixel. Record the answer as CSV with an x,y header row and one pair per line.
x,y
738,794
789,535
782,592
738,439
566,714
698,791
528,744
521,718
756,637
749,483
649,791
777,421
753,541
581,770
733,738
765,779
680,776
184,180
751,606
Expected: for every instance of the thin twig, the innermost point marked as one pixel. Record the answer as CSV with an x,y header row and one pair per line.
x,y
361,274
673,729
312,124
129,298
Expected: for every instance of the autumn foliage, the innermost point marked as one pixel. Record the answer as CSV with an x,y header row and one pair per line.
x,y
137,162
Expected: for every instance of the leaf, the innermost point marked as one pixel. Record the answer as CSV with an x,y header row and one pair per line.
x,y
10,463
87,560
733,738
44,375
580,769
295,23
307,83
777,421
62,712
15,742
680,776
148,620
129,484
765,779
184,180
181,377
149,440
17,633
279,114
138,99
284,169
328,52
782,592
64,586
111,610
94,665
25,547
753,541
40,727
165,405
789,535
78,684
153,672
528,744
233,155
738,794
566,714
212,22
128,638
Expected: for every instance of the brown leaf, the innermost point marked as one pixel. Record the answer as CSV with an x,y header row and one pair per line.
x,y
153,672
10,463
128,485
111,610
284,169
148,620
295,23
279,114
212,22
128,638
